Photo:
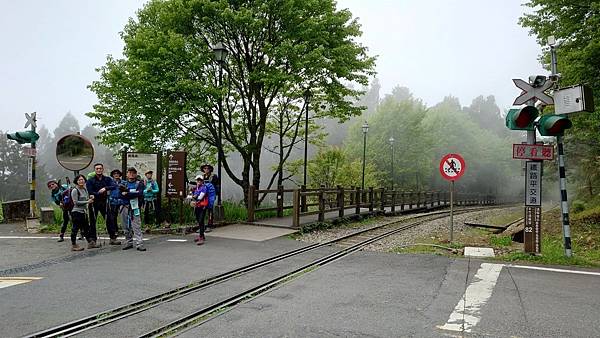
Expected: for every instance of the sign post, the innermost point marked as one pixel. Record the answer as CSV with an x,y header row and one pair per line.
x,y
176,178
452,167
533,207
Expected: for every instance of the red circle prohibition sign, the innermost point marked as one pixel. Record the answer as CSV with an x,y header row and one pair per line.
x,y
452,167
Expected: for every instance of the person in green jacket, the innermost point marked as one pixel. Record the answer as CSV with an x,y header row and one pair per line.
x,y
150,199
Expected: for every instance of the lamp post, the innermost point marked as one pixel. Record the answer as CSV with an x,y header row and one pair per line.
x,y
391,140
306,100
220,53
365,129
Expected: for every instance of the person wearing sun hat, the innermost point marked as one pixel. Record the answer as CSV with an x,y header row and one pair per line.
x,y
200,200
215,180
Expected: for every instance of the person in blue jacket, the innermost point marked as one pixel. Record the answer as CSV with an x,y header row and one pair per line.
x,y
132,192
150,199
56,192
99,186
115,202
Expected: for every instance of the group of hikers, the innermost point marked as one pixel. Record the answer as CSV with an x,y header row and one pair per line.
x,y
127,198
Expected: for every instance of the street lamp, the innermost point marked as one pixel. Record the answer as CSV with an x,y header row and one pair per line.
x,y
307,95
365,129
391,140
220,53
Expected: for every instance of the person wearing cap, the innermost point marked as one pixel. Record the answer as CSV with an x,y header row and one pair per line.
x,y
215,180
200,199
132,192
115,202
150,202
56,194
99,186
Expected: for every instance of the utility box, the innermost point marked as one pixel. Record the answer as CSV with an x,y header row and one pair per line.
x,y
573,99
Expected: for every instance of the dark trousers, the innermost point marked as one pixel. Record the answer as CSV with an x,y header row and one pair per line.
x,y
210,213
151,207
200,212
80,221
65,222
112,220
94,209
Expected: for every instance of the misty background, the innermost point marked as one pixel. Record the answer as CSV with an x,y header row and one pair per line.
x,y
439,64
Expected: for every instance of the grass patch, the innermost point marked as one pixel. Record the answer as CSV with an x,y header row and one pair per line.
x,y
585,236
500,241
506,218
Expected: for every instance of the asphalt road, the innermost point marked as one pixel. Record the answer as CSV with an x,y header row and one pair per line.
x,y
364,295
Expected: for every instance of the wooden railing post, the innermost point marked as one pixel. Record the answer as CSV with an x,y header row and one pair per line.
x,y
431,198
251,202
322,204
304,207
393,201
357,200
296,209
382,200
439,201
371,199
280,201
340,201
352,195
418,198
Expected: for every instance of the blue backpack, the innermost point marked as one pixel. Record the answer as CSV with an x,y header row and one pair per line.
x,y
211,192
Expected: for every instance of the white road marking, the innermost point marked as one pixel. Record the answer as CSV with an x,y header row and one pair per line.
x,y
553,270
12,281
467,312
176,240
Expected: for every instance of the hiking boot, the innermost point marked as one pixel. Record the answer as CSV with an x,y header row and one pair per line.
x,y
114,242
197,238
62,238
76,247
200,240
127,247
140,248
93,245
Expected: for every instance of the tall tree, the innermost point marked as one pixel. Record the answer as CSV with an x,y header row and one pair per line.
x,y
576,25
165,92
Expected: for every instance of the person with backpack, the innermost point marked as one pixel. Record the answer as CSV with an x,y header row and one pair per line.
x,y
215,181
132,192
115,202
57,194
99,186
200,200
150,200
81,200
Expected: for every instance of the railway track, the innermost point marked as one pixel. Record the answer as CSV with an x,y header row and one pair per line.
x,y
366,237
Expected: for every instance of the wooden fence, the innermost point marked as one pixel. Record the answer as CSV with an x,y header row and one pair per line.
x,y
353,200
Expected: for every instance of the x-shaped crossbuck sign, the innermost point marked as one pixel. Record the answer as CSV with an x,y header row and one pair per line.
x,y
530,92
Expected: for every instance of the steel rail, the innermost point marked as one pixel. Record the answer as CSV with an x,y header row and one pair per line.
x,y
108,316
198,317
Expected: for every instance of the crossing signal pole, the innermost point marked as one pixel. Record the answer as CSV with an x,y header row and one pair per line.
x,y
29,136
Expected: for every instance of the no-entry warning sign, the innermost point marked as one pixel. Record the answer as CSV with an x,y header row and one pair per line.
x,y
452,167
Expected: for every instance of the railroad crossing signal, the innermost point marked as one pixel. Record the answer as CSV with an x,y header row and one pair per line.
x,y
522,119
31,120
553,125
29,136
535,90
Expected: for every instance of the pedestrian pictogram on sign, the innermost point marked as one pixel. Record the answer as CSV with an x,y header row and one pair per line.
x,y
452,167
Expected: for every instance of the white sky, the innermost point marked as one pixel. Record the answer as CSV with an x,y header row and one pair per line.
x,y
435,47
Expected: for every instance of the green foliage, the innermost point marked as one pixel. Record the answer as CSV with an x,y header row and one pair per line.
x,y
422,136
590,217
1,213
331,167
554,253
164,92
501,240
